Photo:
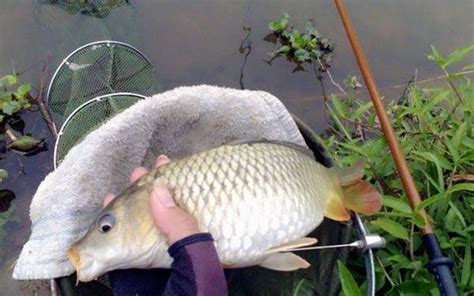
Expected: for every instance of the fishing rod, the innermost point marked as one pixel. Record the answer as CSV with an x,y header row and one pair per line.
x,y
439,265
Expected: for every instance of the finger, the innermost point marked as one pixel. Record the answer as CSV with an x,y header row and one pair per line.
x,y
162,195
161,160
172,221
108,198
137,174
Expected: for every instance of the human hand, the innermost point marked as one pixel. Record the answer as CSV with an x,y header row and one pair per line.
x,y
172,221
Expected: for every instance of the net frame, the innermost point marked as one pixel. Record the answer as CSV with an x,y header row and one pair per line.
x,y
56,155
60,80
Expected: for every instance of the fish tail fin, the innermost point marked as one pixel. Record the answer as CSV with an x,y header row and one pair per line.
x,y
358,195
362,197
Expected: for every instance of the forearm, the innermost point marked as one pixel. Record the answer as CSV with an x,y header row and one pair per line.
x,y
196,269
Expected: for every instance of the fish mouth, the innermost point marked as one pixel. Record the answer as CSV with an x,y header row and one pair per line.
x,y
86,269
75,259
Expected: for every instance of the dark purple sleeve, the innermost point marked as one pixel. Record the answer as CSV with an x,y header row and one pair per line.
x,y
196,269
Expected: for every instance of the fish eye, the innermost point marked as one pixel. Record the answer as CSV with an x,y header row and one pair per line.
x,y
106,222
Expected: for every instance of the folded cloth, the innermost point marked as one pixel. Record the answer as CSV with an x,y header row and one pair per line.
x,y
177,123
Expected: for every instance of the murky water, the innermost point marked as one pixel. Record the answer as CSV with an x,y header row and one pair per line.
x,y
195,42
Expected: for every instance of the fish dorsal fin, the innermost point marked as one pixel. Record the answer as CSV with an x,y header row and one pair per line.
x,y
349,175
291,145
285,262
335,209
298,243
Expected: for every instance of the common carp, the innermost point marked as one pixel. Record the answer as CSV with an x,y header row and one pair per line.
x,y
258,200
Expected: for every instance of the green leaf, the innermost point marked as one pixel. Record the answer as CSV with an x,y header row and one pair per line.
x,y
309,27
428,106
348,283
453,150
430,200
339,106
468,67
279,25
401,260
313,43
23,90
440,163
11,107
436,56
461,187
468,142
467,263
8,80
362,109
25,143
397,204
457,55
285,49
6,95
3,174
304,287
430,179
298,41
415,287
460,133
392,227
418,220
451,221
301,55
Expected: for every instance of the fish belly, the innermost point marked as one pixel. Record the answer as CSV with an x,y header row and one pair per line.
x,y
250,197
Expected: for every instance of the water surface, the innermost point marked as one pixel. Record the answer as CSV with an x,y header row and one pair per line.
x,y
196,42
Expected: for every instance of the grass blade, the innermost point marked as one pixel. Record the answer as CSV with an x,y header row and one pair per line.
x,y
348,283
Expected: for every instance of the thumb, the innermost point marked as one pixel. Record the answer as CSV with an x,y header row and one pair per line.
x,y
172,221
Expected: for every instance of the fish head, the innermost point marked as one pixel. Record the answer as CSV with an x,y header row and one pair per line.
x,y
122,236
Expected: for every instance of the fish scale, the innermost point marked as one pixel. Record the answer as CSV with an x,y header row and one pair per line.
x,y
250,165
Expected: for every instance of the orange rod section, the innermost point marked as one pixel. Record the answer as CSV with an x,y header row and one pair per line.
x,y
405,176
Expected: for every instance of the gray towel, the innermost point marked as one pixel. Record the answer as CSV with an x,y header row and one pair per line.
x,y
177,123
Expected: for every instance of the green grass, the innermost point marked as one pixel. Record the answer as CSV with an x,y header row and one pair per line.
x,y
435,128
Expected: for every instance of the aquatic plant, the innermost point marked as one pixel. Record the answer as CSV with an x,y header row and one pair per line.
x,y
15,98
98,9
13,101
300,47
435,128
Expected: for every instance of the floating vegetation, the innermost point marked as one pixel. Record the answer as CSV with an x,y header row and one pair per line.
x,y
300,47
15,98
96,8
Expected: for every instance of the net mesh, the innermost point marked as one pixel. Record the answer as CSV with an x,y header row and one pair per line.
x,y
95,70
87,118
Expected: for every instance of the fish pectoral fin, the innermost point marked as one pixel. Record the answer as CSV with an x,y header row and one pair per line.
x,y
285,262
299,243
